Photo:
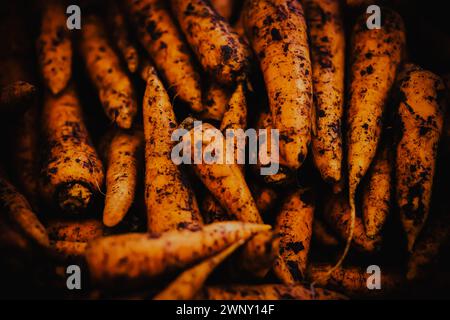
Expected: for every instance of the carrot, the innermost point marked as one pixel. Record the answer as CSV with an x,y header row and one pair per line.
x,y
294,225
54,47
19,211
75,230
326,33
322,235
337,214
16,95
68,250
375,57
114,88
421,113
223,7
188,284
268,292
377,192
163,41
353,281
71,171
277,32
219,49
268,142
121,174
170,202
122,38
225,181
216,100
137,258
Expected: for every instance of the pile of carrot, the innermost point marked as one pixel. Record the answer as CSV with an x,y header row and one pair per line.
x,y
89,116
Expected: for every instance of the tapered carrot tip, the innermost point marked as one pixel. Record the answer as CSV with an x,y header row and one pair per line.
x,y
74,198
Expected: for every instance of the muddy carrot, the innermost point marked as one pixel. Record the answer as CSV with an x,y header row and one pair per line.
x,y
170,202
114,88
54,47
71,172
75,230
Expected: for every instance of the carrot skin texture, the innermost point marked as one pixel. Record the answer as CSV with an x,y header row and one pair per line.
x,y
71,170
188,283
113,85
19,211
162,40
377,193
352,281
375,57
219,49
54,47
74,230
277,32
294,226
122,38
327,39
170,202
137,257
215,102
223,7
421,115
121,175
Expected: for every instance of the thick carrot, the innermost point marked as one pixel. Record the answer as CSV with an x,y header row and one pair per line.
x,y
377,192
268,292
326,33
75,230
123,157
170,202
137,258
163,41
220,50
19,211
68,250
375,57
188,284
54,47
421,115
337,214
122,37
277,32
353,281
294,226
114,88
71,171
224,8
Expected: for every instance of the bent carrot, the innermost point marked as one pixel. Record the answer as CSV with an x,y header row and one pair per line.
x,y
75,230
